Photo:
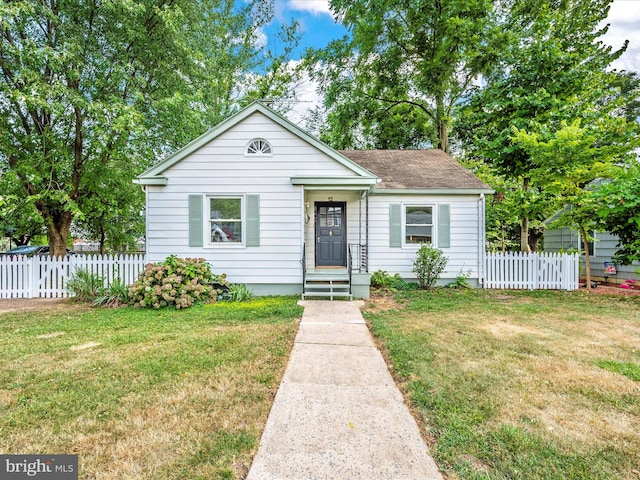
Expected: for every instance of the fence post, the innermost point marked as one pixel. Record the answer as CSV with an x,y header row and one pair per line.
x,y
33,276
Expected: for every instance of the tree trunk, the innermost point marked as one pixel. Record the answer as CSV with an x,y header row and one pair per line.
x,y
535,234
103,237
441,124
58,228
524,222
524,234
587,258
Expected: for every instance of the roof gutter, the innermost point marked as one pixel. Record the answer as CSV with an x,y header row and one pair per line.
x,y
433,191
162,181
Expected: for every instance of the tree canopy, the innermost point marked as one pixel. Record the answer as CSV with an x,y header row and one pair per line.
x,y
91,92
619,211
527,87
395,81
553,74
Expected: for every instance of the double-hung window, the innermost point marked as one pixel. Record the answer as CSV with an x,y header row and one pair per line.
x,y
411,224
418,224
225,219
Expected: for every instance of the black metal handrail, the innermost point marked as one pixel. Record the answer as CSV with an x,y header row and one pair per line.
x,y
350,265
304,265
358,257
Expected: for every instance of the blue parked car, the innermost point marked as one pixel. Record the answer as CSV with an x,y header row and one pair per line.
x,y
28,250
31,250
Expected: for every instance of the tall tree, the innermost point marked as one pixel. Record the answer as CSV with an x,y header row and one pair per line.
x,y
554,71
618,206
394,83
94,89
570,162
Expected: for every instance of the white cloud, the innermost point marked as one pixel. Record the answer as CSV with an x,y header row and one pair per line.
x,y
624,21
307,98
260,38
317,7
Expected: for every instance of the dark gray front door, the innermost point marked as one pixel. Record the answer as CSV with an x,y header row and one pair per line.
x,y
331,234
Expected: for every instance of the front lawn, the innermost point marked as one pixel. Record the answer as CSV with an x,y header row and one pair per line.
x,y
144,394
535,385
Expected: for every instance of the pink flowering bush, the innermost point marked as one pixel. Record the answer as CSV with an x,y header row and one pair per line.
x,y
179,282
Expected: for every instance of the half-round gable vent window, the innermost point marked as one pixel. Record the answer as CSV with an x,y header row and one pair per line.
x,y
259,147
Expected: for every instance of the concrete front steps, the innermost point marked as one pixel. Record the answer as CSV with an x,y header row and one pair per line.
x,y
327,284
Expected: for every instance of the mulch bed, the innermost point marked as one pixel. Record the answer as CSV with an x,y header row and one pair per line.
x,y
611,290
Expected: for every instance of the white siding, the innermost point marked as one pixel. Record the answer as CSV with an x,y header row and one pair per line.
x,y
221,168
463,254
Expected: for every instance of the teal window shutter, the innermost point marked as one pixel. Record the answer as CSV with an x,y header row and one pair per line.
x,y
395,225
195,220
444,226
253,221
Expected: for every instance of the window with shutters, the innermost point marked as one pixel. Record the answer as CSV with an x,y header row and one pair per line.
x,y
411,224
225,220
259,147
418,224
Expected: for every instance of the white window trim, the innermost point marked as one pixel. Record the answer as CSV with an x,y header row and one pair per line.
x,y
207,221
434,224
258,154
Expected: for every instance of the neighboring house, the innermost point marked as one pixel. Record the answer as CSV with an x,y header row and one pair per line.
x,y
601,253
273,207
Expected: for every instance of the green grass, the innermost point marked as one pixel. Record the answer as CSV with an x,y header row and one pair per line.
x,y
519,384
628,369
160,394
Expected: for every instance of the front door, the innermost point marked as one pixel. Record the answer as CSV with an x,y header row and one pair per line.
x,y
331,234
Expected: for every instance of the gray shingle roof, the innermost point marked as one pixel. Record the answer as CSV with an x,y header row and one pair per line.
x,y
415,169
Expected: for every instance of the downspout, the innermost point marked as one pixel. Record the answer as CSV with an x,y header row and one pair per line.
x,y
359,221
367,230
481,238
146,222
303,221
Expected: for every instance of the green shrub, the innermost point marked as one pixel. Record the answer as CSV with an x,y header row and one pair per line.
x,y
462,280
381,279
385,281
84,285
179,282
239,292
114,295
429,264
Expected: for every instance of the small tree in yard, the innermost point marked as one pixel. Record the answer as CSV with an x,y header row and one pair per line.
x,y
430,262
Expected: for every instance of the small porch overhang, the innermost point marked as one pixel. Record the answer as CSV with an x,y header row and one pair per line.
x,y
336,182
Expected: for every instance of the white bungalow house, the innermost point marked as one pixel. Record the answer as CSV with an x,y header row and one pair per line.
x,y
273,207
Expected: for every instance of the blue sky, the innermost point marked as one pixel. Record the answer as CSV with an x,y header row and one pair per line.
x,y
319,28
315,19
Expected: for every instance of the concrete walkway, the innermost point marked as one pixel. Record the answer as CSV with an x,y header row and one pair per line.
x,y
338,414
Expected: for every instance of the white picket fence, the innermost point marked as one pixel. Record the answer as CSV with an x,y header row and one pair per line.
x,y
43,276
531,271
